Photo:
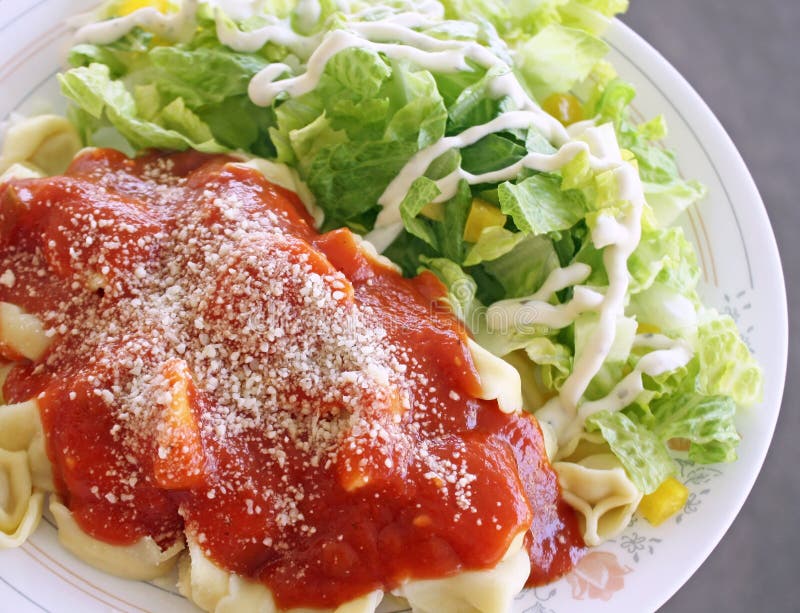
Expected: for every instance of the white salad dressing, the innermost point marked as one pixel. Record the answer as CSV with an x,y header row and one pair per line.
x,y
264,89
608,231
308,13
543,313
397,190
174,27
252,41
625,392
535,309
615,258
395,37
541,162
558,279
601,158
655,341
574,130
671,355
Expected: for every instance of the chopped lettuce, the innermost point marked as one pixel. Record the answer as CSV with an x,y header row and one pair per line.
x,y
706,421
422,192
494,242
492,152
554,359
666,257
644,456
557,58
175,127
665,309
522,270
461,287
538,205
350,135
726,365
369,165
667,193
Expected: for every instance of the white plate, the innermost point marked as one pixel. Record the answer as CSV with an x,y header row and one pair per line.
x,y
742,276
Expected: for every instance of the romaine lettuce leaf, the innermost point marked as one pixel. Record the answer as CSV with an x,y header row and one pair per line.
x,y
203,76
461,287
494,242
706,421
669,200
555,361
538,205
421,115
422,192
666,257
726,365
667,193
494,11
557,58
361,72
643,454
474,103
665,309
492,152
521,271
98,95
592,15
638,435
348,178
450,230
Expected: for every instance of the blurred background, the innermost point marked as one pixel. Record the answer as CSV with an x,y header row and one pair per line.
x,y
744,60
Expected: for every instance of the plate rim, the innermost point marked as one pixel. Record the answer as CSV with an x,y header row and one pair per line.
x,y
620,32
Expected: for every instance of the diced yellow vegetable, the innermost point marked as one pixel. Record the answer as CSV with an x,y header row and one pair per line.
x,y
129,6
564,107
433,210
482,215
662,504
644,328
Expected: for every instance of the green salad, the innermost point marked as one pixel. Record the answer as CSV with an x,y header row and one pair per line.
x,y
420,126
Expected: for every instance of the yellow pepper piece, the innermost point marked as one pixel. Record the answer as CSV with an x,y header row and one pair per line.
x,y
564,107
434,211
662,504
482,215
129,6
644,328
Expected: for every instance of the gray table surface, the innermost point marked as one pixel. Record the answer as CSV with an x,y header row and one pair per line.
x,y
743,57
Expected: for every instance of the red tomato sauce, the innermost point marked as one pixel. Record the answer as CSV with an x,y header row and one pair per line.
x,y
218,367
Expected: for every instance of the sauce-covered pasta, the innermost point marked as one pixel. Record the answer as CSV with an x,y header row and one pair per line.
x,y
307,417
